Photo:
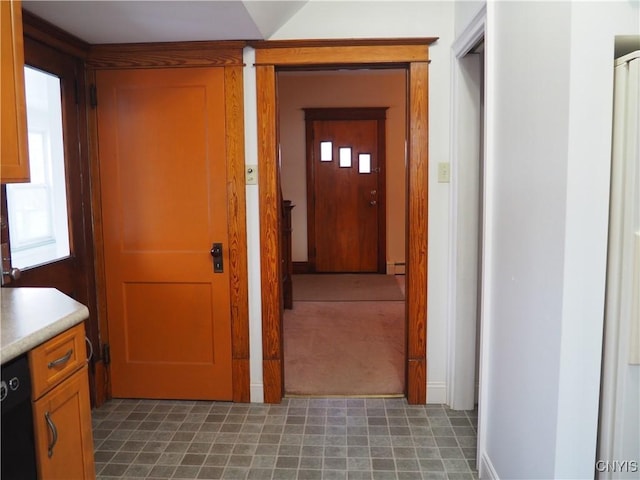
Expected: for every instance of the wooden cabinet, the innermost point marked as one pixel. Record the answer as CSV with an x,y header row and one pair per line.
x,y
61,407
14,158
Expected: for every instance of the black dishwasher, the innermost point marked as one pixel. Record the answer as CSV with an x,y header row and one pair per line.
x,y
17,448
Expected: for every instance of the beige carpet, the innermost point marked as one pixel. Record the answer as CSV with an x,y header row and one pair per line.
x,y
344,348
344,287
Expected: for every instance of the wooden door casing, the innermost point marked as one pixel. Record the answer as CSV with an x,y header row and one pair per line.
x,y
346,209
227,55
162,150
412,54
73,275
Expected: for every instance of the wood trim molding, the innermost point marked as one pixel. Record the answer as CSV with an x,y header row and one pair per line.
x,y
103,393
326,54
236,203
236,214
342,55
38,29
166,55
301,268
417,193
270,236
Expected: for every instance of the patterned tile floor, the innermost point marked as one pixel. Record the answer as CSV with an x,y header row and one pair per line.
x,y
298,439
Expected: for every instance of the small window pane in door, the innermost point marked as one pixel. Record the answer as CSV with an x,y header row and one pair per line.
x,y
37,211
326,152
364,163
345,157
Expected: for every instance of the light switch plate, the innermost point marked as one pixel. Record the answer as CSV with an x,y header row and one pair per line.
x,y
443,172
251,175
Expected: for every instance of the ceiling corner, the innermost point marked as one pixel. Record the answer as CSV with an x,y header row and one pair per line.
x,y
269,16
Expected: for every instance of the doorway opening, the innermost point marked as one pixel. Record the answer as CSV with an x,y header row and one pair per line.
x,y
408,54
342,142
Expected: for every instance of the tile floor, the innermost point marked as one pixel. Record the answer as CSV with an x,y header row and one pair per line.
x,y
298,439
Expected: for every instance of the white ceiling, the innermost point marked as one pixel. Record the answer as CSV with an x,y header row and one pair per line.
x,y
124,21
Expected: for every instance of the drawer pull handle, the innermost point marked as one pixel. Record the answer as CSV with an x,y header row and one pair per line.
x,y
54,433
62,360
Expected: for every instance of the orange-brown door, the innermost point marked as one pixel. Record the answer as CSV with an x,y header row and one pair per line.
x,y
347,234
163,186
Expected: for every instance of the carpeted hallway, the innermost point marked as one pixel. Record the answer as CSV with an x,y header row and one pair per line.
x,y
345,335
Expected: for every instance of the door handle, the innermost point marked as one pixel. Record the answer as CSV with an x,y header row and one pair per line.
x,y
60,361
54,434
216,254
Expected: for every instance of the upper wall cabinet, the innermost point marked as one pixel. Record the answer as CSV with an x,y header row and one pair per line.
x,y
15,159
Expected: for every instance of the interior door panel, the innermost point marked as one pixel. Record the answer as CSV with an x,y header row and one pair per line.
x,y
163,183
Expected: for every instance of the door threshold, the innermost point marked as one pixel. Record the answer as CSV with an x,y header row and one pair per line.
x,y
381,395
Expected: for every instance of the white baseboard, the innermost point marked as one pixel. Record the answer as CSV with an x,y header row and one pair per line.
x,y
486,470
257,393
436,392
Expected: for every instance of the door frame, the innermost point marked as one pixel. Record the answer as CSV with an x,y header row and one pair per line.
x,y
228,55
378,114
410,54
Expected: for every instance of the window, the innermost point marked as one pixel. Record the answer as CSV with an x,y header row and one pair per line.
x,y
37,210
364,163
325,152
345,157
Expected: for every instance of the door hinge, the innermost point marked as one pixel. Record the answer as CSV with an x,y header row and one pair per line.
x,y
106,354
93,96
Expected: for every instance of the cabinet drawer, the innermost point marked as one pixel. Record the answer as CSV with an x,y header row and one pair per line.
x,y
55,360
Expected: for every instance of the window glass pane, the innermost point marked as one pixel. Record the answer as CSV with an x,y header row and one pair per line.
x,y
38,225
364,163
345,156
326,153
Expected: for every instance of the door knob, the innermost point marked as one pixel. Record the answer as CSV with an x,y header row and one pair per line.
x,y
14,273
216,254
373,203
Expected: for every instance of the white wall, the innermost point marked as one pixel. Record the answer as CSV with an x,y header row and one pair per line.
x,y
392,19
548,99
465,11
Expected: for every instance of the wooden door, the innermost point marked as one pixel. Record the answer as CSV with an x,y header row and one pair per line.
x,y
72,273
163,182
345,163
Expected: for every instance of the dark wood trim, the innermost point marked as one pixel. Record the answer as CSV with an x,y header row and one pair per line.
x,y
236,214
340,42
284,55
74,275
310,167
42,31
164,55
98,242
301,268
345,113
382,194
270,236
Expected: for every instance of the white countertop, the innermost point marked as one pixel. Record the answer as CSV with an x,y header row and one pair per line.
x,y
31,316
